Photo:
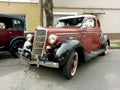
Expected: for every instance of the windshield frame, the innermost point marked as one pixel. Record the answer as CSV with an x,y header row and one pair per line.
x,y
70,22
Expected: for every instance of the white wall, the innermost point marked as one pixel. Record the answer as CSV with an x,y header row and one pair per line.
x,y
110,21
88,3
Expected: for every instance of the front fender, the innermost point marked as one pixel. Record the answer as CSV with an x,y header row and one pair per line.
x,y
16,38
63,53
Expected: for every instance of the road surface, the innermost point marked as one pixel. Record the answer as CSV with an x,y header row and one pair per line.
x,y
101,73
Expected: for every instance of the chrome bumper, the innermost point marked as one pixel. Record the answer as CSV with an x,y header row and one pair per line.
x,y
38,62
45,63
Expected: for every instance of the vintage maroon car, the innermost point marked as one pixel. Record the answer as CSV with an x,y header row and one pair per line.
x,y
11,33
74,39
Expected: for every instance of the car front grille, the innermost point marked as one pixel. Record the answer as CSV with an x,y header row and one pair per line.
x,y
39,42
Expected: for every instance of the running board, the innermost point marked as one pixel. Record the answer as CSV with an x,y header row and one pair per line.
x,y
93,54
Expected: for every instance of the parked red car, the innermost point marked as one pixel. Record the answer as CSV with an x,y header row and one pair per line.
x,y
74,39
11,33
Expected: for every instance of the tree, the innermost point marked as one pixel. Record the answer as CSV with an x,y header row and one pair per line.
x,y
48,7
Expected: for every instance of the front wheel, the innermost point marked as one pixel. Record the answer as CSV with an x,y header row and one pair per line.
x,y
14,47
70,67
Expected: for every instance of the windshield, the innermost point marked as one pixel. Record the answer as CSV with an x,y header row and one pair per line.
x,y
71,22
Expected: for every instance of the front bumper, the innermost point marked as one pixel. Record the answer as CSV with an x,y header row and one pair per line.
x,y
38,62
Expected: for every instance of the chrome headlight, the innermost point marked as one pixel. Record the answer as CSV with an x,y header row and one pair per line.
x,y
52,39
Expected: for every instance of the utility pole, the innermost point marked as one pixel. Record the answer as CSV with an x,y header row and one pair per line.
x,y
41,12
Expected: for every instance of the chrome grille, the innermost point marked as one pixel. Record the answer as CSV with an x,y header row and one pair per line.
x,y
39,42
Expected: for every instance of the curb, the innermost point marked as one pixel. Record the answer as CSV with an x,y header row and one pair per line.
x,y
114,47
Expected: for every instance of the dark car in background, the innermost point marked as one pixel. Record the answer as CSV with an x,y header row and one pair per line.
x,y
11,33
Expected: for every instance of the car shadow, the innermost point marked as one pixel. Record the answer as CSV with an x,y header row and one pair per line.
x,y
55,75
9,64
5,55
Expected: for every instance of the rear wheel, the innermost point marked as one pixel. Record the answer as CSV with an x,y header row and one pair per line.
x,y
70,68
106,47
14,47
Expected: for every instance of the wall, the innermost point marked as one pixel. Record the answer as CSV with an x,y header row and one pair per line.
x,y
107,11
87,3
31,10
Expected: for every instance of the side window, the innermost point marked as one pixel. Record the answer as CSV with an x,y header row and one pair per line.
x,y
23,23
6,23
18,25
90,23
2,25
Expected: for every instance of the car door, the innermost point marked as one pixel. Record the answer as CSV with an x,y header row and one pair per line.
x,y
91,35
5,34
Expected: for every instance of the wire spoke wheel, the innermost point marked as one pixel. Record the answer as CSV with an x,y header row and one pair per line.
x,y
74,64
70,67
14,47
106,49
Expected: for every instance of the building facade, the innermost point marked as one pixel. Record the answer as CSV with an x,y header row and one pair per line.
x,y
30,10
107,11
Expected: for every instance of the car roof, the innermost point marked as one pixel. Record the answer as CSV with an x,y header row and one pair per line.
x,y
76,16
12,16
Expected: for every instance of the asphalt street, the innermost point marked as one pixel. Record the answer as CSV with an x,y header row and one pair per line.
x,y
100,73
